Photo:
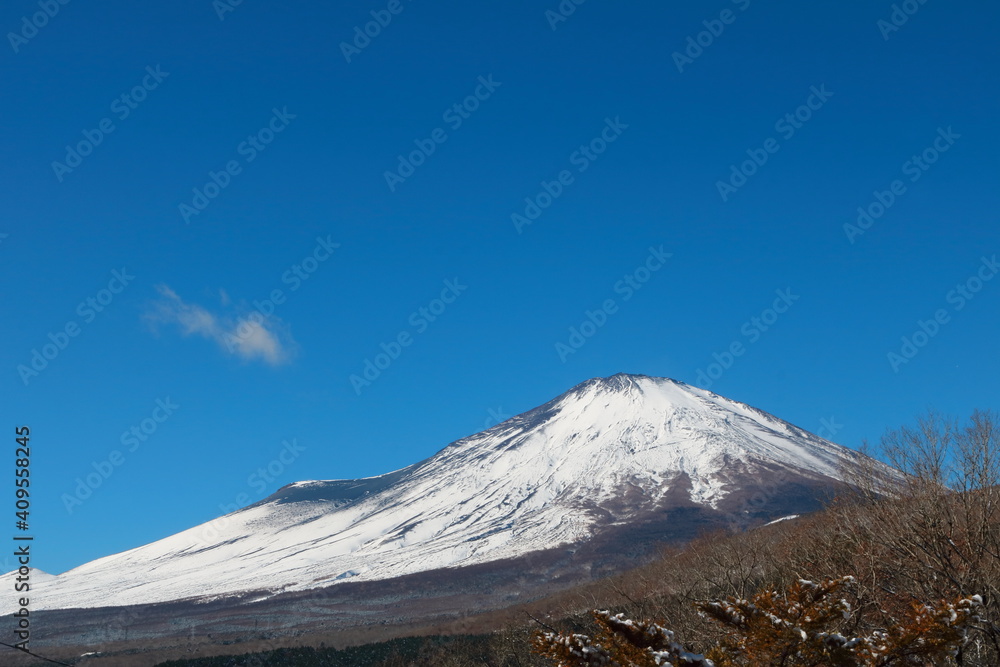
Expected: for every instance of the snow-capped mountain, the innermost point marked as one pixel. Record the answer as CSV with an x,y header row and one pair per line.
x,y
608,454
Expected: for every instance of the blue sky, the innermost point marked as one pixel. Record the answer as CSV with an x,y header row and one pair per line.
x,y
473,184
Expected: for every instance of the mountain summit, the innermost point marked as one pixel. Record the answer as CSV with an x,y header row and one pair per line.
x,y
612,466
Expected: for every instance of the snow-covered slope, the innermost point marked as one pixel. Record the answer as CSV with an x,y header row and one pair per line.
x,y
534,482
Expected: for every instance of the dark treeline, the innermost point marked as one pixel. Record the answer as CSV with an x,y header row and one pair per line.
x,y
455,651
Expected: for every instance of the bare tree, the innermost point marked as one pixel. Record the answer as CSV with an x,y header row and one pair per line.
x,y
935,532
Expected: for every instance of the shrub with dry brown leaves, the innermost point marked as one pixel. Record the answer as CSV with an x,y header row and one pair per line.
x,y
807,624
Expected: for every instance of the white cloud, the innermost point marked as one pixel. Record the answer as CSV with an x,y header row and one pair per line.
x,y
250,336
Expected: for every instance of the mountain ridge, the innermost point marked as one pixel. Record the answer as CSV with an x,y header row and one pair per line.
x,y
604,455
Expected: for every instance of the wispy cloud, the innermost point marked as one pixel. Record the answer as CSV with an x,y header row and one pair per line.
x,y
249,336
